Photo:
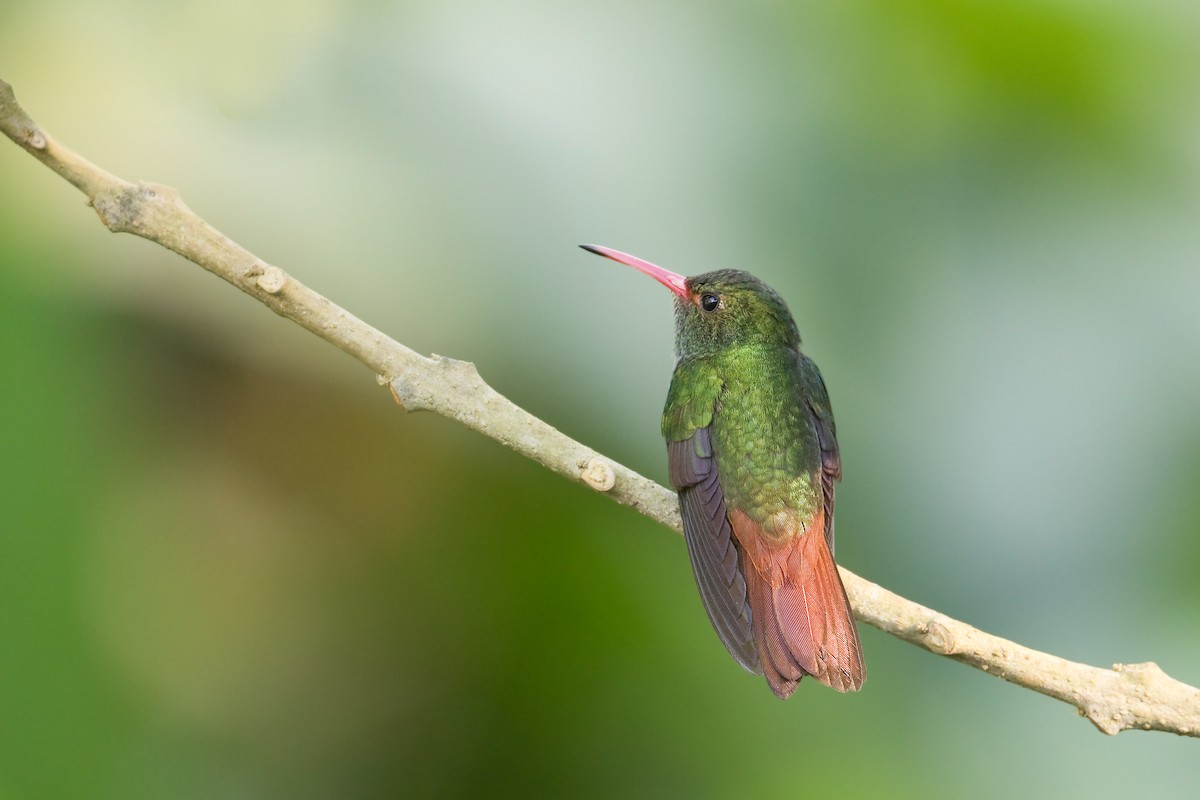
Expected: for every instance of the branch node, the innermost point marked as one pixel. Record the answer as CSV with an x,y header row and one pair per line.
x,y
122,206
394,387
36,139
940,639
1143,672
1109,726
405,394
597,473
462,370
272,280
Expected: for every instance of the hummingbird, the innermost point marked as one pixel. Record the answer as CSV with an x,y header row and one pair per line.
x,y
752,451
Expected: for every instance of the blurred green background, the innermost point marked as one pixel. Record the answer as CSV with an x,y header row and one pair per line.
x,y
231,568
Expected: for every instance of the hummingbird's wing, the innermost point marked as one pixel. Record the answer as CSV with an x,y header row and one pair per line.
x,y
710,545
817,397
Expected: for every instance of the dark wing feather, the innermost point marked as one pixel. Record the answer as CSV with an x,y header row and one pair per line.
x,y
711,546
817,397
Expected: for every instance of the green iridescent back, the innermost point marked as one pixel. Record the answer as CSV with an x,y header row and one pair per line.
x,y
763,438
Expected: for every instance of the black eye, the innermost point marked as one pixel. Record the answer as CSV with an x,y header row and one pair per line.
x,y
709,302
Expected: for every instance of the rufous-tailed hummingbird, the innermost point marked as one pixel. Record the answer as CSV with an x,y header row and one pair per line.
x,y
752,451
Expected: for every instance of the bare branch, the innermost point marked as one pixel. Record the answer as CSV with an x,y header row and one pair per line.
x,y
1127,697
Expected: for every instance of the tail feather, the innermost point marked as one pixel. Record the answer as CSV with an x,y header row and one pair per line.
x,y
802,621
780,665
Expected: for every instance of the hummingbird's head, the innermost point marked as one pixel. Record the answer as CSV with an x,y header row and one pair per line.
x,y
730,308
718,310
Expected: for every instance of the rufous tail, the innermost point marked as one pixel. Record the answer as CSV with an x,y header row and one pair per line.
x,y
802,620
